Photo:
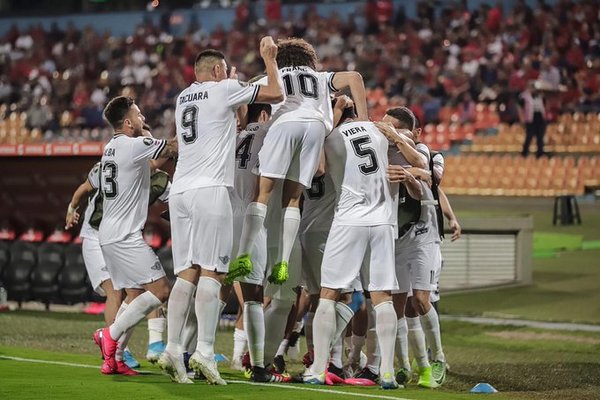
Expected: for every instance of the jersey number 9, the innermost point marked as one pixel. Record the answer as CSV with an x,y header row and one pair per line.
x,y
189,120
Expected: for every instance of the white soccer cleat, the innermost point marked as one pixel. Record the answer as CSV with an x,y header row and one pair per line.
x,y
174,367
208,367
313,379
236,364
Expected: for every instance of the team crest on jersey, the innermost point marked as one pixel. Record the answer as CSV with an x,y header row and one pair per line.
x,y
224,259
148,141
156,266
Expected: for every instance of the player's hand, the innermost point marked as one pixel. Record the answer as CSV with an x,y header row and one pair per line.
x,y
342,102
233,73
146,131
397,174
421,174
268,48
72,217
456,230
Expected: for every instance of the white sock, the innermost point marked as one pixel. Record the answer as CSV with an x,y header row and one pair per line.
x,y
134,313
178,308
336,353
189,333
276,316
431,327
289,231
156,327
282,347
343,315
387,327
373,351
402,344
122,343
207,314
254,220
357,344
308,331
121,309
298,325
254,323
416,340
120,348
239,343
323,331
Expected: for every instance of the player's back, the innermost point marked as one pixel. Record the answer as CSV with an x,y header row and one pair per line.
x,y
319,205
307,96
248,144
357,159
125,185
206,126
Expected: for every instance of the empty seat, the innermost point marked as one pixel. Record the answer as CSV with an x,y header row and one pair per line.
x,y
23,257
72,278
44,277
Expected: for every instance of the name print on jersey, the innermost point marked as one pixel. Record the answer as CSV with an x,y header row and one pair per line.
x,y
195,96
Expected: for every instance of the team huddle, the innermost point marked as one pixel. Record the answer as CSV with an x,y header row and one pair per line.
x,y
291,196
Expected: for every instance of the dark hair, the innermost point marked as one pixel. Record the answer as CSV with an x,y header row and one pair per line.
x,y
206,55
255,109
116,110
348,113
294,52
417,121
403,114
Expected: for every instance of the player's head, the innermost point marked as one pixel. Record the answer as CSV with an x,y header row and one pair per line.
x,y
294,52
259,112
124,116
418,129
400,118
210,65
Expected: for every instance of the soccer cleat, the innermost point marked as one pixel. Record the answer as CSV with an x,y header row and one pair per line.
x,y
404,376
108,368
313,379
123,369
279,365
236,364
174,367
279,273
208,367
366,373
332,378
108,348
438,371
339,372
154,351
308,358
261,375
239,267
426,378
98,340
130,360
388,382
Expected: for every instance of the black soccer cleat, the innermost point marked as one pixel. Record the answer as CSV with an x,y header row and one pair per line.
x,y
261,375
279,365
366,373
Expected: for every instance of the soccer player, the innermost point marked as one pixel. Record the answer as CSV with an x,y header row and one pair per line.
x,y
132,265
199,206
356,154
292,147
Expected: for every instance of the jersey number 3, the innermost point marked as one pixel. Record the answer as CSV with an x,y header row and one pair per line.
x,y
362,150
109,172
189,120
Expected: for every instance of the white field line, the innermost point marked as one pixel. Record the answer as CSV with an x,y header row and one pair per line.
x,y
307,389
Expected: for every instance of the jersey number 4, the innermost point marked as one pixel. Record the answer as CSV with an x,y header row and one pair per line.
x,y
362,150
109,173
242,152
189,120
307,83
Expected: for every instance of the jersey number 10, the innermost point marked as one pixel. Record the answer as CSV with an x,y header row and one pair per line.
x,y
308,85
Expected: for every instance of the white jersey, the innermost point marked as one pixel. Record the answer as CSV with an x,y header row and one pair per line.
x,y
425,230
319,205
125,185
248,144
423,149
87,231
308,96
206,127
438,165
357,159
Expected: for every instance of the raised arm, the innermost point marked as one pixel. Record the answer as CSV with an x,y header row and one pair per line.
x,y
72,217
398,174
404,144
272,92
354,81
170,150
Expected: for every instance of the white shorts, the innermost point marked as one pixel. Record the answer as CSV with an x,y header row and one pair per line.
x,y
346,249
201,229
292,150
132,263
415,268
435,293
313,248
259,251
286,291
94,264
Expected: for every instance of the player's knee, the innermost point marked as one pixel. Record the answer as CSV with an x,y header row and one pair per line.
x,y
162,291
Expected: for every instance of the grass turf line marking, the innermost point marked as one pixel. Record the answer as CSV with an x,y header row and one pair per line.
x,y
67,364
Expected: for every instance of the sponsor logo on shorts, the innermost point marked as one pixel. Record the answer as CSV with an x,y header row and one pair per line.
x,y
421,231
224,259
104,269
156,266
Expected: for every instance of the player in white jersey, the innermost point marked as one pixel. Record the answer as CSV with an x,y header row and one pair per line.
x,y
293,146
356,154
125,186
199,207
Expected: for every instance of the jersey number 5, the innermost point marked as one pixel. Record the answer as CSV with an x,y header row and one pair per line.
x,y
189,120
109,173
361,149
